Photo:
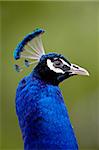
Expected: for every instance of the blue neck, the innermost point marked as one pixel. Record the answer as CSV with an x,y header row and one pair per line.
x,y
43,116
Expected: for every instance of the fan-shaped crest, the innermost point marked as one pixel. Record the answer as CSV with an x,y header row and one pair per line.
x,y
30,47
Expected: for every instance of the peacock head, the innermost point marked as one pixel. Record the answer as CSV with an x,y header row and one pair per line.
x,y
52,67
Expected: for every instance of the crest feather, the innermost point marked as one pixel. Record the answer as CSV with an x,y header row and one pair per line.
x,y
30,47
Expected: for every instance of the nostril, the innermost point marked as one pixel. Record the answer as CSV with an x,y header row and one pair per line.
x,y
75,67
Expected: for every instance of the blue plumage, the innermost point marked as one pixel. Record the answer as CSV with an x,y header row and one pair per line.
x,y
43,116
40,107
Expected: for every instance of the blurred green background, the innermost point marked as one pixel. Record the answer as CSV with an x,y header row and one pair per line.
x,y
72,29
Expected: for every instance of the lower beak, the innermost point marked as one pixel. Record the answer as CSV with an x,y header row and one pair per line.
x,y
77,70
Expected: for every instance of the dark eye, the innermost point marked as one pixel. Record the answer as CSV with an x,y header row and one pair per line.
x,y
57,62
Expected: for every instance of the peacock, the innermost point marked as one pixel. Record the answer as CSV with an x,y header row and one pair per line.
x,y
42,114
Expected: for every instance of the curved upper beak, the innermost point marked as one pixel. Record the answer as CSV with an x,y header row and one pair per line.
x,y
77,70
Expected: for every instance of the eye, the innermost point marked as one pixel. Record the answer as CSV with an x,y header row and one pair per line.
x,y
57,62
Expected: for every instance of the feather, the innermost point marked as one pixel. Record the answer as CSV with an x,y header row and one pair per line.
x,y
30,47
43,116
17,68
34,41
27,63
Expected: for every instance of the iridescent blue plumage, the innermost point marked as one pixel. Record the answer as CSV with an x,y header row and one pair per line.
x,y
43,116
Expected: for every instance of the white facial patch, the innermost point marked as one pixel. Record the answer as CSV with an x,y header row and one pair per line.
x,y
51,66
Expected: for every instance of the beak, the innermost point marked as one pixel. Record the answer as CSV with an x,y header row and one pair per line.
x,y
76,70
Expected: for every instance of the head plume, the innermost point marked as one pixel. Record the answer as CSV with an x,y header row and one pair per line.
x,y
30,48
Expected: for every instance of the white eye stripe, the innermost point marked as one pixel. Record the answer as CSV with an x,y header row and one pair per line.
x,y
51,66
